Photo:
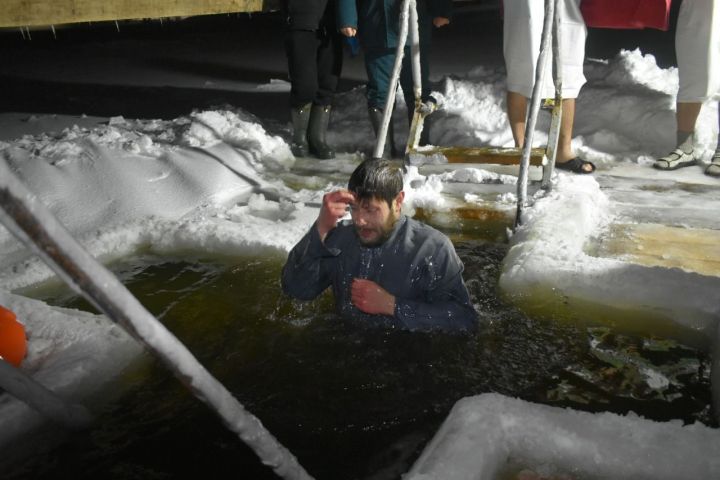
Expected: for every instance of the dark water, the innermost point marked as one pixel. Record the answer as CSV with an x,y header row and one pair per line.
x,y
350,403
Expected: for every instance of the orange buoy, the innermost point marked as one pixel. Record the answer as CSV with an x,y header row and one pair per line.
x,y
13,342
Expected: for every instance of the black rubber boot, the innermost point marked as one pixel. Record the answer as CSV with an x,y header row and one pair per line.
x,y
300,120
319,120
376,116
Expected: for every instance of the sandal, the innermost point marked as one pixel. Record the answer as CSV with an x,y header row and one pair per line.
x,y
714,168
576,165
675,159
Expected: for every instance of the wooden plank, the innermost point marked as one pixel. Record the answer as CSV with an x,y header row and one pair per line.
x,y
500,156
34,13
653,245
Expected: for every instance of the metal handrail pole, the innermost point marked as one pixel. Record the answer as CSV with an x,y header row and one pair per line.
x,y
417,117
32,223
415,52
533,112
557,111
394,77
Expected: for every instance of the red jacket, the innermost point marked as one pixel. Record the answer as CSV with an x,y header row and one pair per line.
x,y
626,13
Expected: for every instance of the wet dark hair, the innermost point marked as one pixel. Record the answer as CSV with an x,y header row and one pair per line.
x,y
376,179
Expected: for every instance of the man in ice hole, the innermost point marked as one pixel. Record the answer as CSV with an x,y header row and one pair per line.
x,y
385,269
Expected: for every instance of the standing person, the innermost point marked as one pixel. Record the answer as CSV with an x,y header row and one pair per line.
x,y
377,23
697,45
522,33
314,51
385,269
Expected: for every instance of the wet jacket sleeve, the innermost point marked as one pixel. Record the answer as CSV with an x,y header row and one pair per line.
x,y
305,274
447,304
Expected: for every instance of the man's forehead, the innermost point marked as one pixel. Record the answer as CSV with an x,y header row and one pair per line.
x,y
370,201
365,202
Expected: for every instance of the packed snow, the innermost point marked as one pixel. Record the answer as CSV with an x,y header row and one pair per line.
x,y
486,434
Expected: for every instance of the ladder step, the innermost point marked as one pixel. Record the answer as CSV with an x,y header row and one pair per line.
x,y
490,155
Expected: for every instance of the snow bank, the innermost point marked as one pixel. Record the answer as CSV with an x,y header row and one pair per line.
x,y
72,353
484,434
547,267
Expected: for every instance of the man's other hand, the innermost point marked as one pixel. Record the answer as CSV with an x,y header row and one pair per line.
x,y
348,31
369,297
334,207
440,21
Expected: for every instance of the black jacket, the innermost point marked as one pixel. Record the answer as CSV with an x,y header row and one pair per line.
x,y
310,14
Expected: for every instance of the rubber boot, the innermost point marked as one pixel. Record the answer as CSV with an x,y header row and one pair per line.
x,y
319,120
376,116
300,120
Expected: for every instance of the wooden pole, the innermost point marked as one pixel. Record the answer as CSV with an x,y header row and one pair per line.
x,y
557,111
37,13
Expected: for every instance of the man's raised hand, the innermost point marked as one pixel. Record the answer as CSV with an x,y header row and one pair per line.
x,y
334,207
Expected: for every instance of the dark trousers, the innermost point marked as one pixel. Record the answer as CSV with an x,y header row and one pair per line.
x,y
379,64
314,64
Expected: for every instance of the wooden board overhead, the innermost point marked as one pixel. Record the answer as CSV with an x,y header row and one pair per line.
x,y
35,13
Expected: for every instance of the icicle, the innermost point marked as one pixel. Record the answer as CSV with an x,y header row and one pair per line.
x,y
27,29
117,26
22,32
52,27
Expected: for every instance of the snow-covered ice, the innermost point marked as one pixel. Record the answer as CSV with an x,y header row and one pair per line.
x,y
484,434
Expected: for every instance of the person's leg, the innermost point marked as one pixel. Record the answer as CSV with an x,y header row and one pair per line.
x,y
564,148
695,49
379,64
329,66
301,47
565,158
687,114
714,168
683,155
517,113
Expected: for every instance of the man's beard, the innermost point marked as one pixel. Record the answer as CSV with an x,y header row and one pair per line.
x,y
385,232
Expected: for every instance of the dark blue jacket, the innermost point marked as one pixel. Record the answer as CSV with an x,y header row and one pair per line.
x,y
378,21
417,264
308,14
